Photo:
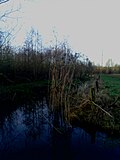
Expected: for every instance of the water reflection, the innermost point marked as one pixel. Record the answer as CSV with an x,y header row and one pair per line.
x,y
34,131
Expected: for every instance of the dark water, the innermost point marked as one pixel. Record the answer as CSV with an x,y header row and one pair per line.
x,y
32,131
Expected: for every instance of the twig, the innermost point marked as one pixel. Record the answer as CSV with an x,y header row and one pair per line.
x,y
52,125
86,101
114,102
13,96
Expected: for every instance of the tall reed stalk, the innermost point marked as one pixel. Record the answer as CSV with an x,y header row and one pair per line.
x,y
61,73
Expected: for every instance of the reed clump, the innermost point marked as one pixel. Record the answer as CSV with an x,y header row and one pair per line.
x,y
67,72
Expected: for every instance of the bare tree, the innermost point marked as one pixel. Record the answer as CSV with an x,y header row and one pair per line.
x,y
7,15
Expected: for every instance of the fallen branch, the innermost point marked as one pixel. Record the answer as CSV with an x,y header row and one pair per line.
x,y
101,109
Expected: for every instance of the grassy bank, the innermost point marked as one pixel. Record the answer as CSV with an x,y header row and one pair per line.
x,y
112,83
103,113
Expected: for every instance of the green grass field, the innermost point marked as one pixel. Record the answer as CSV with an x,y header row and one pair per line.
x,y
112,83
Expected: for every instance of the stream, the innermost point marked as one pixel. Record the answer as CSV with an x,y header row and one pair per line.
x,y
31,131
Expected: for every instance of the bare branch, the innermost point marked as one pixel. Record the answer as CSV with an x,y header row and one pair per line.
x,y
7,14
1,2
6,34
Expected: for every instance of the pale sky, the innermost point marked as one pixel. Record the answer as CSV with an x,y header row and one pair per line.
x,y
90,26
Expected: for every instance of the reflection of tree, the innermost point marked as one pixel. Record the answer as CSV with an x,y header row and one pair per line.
x,y
8,134
34,121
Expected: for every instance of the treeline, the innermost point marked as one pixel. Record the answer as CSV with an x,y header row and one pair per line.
x,y
108,69
34,62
